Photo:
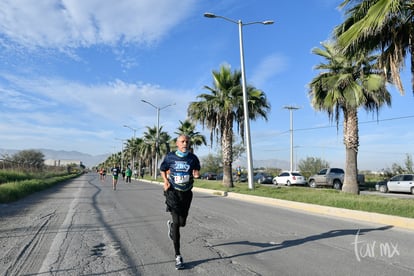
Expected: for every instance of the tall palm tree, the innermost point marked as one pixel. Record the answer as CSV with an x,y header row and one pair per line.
x,y
149,145
386,26
164,143
127,154
222,107
343,86
115,158
188,128
133,149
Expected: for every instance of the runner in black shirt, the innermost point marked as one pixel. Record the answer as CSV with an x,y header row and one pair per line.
x,y
178,171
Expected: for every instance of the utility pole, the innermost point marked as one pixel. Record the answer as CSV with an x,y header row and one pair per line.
x,y
291,109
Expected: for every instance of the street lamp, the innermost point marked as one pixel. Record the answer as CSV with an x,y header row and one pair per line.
x,y
291,109
245,99
133,129
158,132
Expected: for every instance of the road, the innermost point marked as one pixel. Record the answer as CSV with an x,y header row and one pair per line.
x,y
389,194
83,227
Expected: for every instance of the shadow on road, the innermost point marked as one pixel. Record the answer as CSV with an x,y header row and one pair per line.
x,y
267,247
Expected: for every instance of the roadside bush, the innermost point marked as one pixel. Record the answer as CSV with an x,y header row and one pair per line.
x,y
9,176
15,190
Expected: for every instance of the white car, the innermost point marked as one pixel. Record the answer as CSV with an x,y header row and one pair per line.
x,y
399,183
290,178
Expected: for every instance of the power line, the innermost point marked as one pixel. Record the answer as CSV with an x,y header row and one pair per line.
x,y
366,122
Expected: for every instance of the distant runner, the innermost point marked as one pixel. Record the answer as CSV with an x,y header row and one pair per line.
x,y
101,174
115,174
128,174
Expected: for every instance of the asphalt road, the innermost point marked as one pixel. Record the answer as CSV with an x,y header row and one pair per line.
x,y
83,227
389,194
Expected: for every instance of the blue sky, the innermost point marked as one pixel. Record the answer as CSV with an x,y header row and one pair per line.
x,y
73,73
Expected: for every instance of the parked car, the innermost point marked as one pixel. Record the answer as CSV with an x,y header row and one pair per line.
x,y
209,176
333,177
290,178
263,178
381,186
399,183
219,176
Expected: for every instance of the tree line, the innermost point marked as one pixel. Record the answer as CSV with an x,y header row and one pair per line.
x,y
31,160
24,160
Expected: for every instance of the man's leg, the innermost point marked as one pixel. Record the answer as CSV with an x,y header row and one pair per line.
x,y
175,232
179,220
115,180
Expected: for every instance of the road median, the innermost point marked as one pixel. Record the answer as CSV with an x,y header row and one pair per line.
x,y
395,221
400,222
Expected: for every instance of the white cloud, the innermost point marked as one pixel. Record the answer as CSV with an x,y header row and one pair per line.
x,y
15,100
78,23
52,112
119,97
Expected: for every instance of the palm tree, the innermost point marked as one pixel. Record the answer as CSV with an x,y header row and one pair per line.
x,y
222,107
164,143
115,158
188,128
345,85
127,154
385,26
133,149
149,145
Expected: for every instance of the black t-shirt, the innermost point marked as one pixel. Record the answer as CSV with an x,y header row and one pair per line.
x,y
180,170
115,171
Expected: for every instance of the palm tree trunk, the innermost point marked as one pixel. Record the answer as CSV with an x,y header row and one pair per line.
x,y
351,141
227,150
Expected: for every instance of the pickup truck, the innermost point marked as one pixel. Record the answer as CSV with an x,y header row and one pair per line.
x,y
331,177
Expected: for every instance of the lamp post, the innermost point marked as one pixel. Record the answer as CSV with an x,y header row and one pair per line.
x,y
291,109
133,129
158,132
244,88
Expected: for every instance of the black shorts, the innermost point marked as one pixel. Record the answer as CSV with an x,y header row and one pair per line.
x,y
178,202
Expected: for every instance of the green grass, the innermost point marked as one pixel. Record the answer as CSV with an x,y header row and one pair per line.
x,y
8,176
14,190
326,197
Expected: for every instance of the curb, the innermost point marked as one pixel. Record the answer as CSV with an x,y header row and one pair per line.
x,y
400,222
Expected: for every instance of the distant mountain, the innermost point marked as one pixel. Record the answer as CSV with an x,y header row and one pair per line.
x,y
93,160
87,159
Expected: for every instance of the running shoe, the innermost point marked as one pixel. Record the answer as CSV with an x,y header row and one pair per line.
x,y
179,263
169,223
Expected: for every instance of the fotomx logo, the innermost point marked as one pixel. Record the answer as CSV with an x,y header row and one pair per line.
x,y
182,166
366,249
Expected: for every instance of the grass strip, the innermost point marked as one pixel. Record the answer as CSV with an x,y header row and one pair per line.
x,y
12,191
327,197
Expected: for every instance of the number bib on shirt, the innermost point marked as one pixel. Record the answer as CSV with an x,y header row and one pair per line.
x,y
181,179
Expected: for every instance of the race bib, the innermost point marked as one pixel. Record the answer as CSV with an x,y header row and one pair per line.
x,y
180,179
